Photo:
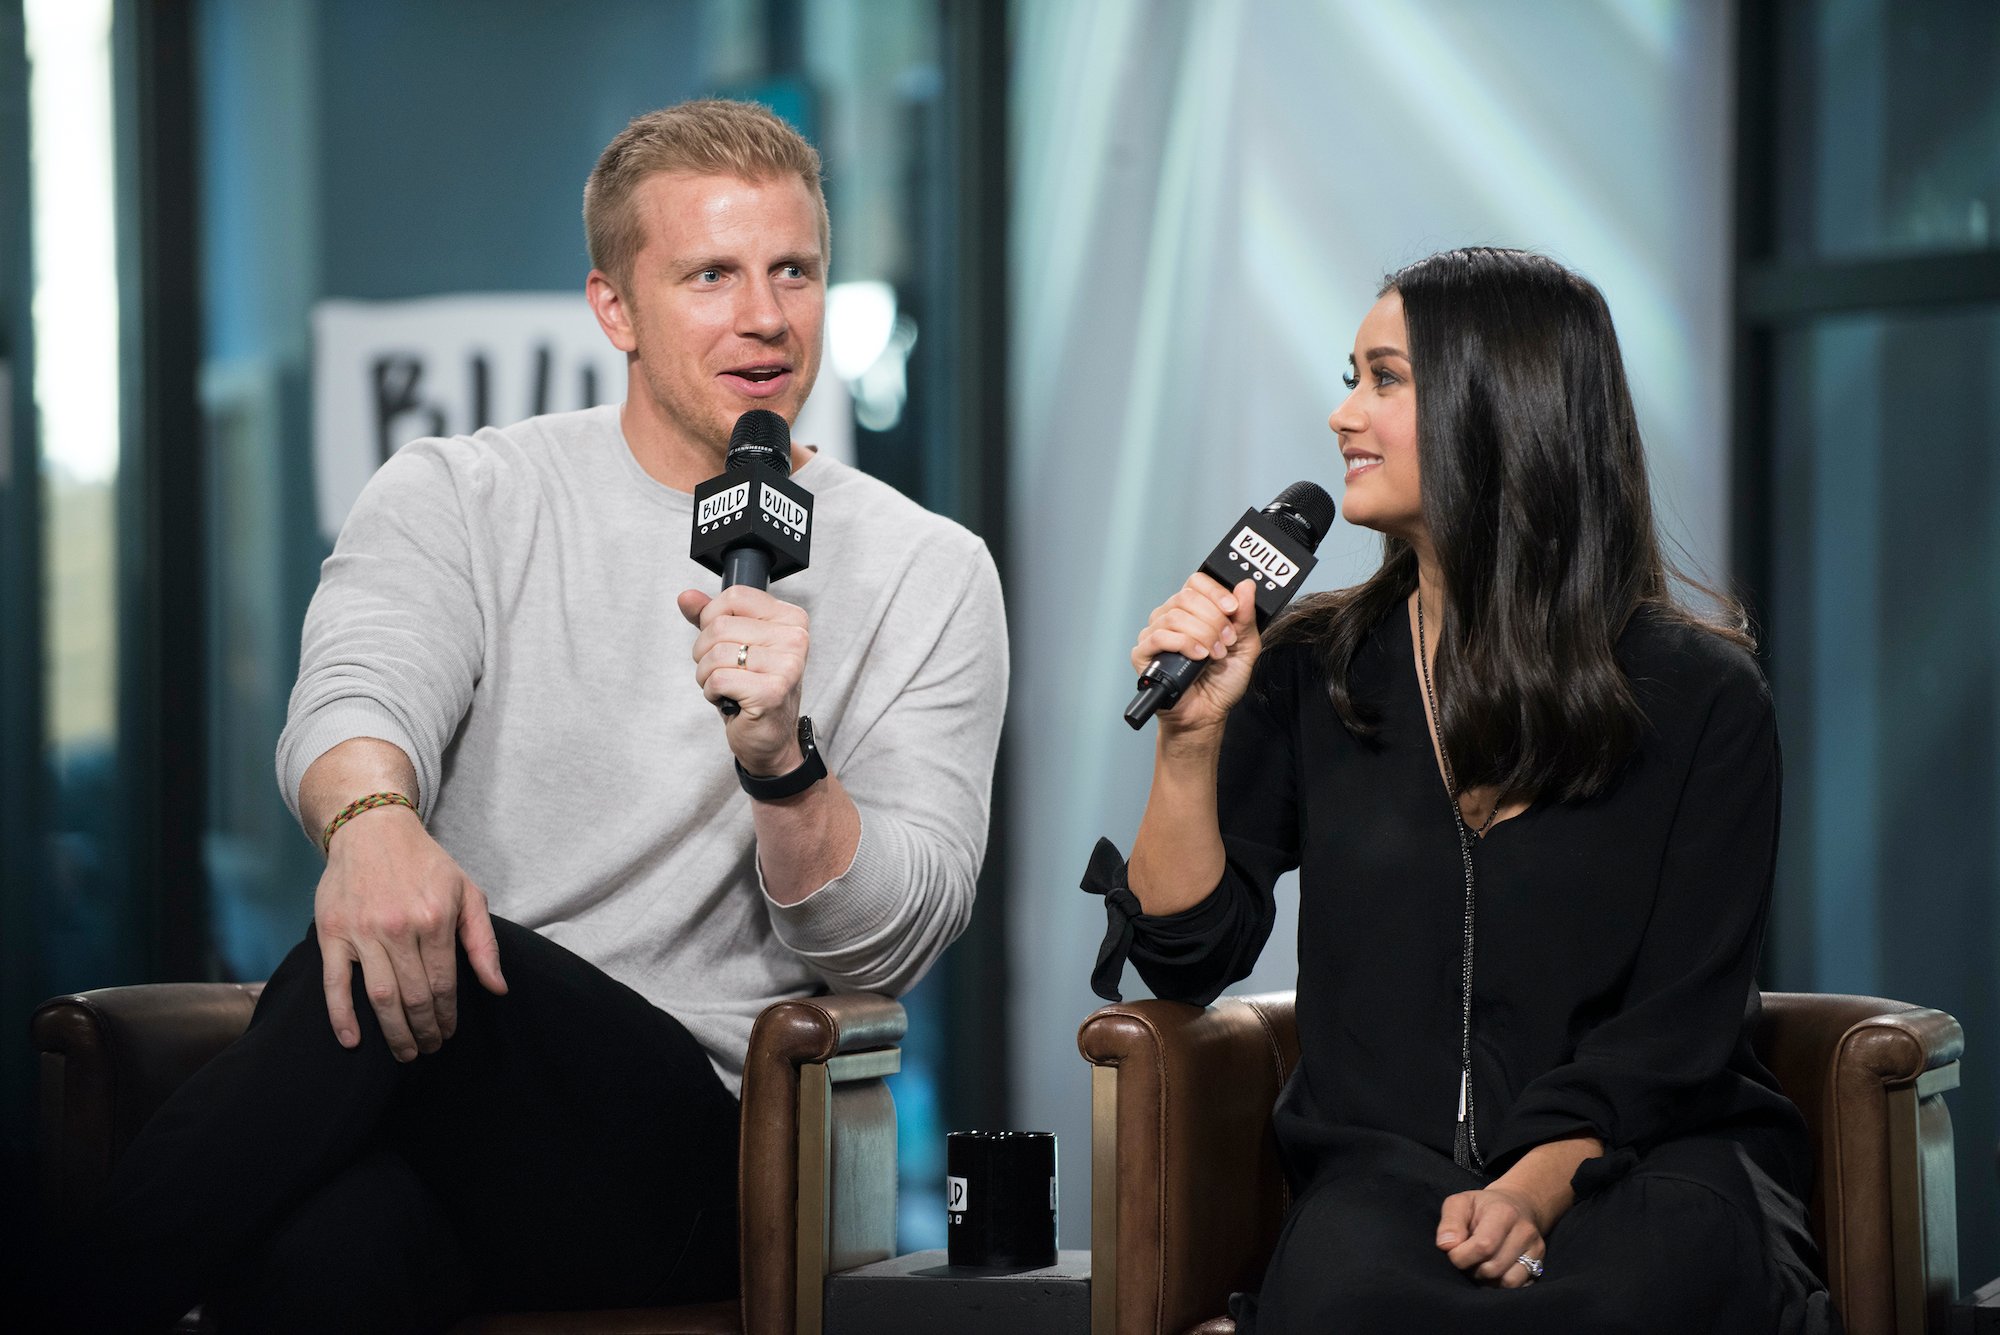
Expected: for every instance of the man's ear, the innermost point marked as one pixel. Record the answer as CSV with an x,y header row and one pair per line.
x,y
614,316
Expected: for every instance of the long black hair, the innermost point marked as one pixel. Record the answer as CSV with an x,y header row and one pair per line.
x,y
1536,504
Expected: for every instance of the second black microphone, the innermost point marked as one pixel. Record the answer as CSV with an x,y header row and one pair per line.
x,y
1275,547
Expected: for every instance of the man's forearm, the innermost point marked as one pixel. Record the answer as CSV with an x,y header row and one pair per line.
x,y
806,840
350,771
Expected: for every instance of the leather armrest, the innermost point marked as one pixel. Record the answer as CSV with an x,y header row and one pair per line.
x,y
812,1029
1869,1074
108,1060
1187,1191
817,1187
1797,1032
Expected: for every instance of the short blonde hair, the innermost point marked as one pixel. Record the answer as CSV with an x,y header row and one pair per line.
x,y
708,137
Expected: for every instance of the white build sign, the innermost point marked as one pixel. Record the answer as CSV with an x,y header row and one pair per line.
x,y
388,372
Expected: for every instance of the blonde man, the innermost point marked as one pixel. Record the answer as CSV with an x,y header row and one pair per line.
x,y
504,736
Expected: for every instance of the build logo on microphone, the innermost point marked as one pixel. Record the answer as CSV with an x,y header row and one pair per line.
x,y
724,507
773,513
783,511
1254,554
1259,547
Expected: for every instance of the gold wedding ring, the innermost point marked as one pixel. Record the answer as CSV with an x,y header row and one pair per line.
x,y
743,655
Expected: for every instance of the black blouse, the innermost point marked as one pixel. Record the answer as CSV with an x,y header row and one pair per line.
x,y
1615,942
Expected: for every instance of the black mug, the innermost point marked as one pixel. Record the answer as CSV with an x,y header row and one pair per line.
x,y
1000,1198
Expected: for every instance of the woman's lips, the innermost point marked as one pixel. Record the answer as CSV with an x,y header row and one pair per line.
x,y
1358,464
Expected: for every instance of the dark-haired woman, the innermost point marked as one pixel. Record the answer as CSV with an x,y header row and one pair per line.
x,y
1533,801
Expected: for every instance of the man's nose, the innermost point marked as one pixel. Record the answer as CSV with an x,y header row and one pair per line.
x,y
758,312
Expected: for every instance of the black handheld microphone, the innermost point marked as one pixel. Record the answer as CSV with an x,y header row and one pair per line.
x,y
1273,546
753,524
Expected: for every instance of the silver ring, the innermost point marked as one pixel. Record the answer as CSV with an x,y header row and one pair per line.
x,y
1531,1265
743,655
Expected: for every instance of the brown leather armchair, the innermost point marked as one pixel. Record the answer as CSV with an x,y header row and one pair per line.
x,y
1187,1193
817,1181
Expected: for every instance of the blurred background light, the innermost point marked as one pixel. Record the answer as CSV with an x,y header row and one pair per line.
x,y
859,319
75,300
868,345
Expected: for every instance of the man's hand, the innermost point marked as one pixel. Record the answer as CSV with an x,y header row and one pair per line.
x,y
752,649
395,903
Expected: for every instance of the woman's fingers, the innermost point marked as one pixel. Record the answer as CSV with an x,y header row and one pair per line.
x,y
1207,624
1199,621
1493,1218
1518,1276
1212,610
1486,1233
1211,589
1178,632
1505,1265
1244,619
1202,627
1455,1220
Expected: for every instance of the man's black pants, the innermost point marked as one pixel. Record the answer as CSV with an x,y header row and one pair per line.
x,y
570,1146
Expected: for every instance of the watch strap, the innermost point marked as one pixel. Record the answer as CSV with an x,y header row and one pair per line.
x,y
804,775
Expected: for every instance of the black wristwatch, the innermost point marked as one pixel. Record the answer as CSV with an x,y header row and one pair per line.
x,y
809,771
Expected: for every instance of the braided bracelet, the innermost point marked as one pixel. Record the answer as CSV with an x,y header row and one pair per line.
x,y
353,809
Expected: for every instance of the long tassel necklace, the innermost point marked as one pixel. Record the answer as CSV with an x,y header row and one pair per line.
x,y
1465,1142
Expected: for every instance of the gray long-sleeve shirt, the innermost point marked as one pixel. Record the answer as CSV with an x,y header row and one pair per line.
x,y
501,607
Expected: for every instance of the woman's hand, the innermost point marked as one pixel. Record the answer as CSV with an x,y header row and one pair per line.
x,y
1204,621
1485,1233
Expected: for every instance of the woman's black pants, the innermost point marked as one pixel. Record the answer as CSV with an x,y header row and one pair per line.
x,y
568,1147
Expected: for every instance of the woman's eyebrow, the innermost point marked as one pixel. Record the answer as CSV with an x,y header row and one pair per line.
x,y
1373,353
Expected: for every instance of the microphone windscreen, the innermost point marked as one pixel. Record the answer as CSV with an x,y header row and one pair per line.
x,y
760,439
1305,512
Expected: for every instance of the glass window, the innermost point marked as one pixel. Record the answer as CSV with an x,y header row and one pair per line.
x,y
1890,133
1884,643
90,924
